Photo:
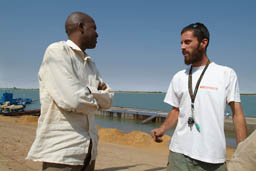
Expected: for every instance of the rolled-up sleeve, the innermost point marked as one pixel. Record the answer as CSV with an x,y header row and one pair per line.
x,y
104,98
62,84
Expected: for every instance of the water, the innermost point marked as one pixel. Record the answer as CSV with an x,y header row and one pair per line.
x,y
153,101
126,125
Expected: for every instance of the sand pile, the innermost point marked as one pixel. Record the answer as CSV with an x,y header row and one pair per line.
x,y
134,138
21,119
115,136
8,119
140,140
28,119
111,135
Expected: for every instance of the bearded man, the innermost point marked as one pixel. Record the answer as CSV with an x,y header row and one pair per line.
x,y
198,96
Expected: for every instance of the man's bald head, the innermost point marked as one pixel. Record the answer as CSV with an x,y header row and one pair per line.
x,y
81,29
73,21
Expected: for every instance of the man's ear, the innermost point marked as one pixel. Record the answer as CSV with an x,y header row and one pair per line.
x,y
204,43
81,27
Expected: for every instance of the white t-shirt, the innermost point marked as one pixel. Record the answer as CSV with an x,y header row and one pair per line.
x,y
218,86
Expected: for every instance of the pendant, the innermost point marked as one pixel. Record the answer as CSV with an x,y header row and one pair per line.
x,y
191,122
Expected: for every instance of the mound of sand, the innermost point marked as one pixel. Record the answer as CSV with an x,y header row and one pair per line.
x,y
134,138
111,135
22,119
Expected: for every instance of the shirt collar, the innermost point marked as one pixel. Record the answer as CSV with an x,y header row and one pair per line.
x,y
73,46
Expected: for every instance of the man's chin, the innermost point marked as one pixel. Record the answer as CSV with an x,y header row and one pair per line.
x,y
92,47
187,62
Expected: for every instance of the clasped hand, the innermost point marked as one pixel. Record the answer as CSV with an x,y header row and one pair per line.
x,y
102,86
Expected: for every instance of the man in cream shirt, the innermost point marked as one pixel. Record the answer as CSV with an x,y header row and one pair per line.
x,y
71,90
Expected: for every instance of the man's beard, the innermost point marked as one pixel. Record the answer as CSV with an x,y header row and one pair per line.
x,y
196,56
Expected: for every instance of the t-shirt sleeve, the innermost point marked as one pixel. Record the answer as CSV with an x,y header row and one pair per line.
x,y
171,96
233,93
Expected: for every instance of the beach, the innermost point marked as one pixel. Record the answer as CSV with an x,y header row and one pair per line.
x,y
135,151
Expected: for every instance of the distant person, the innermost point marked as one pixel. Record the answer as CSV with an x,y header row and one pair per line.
x,y
71,90
198,96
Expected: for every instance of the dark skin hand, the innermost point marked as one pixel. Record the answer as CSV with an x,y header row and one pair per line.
x,y
102,86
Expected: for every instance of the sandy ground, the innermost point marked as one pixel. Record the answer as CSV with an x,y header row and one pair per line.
x,y
135,151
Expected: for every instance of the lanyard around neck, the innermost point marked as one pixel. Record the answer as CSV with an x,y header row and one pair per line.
x,y
193,96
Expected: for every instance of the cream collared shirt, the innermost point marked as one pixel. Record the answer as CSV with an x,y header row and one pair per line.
x,y
68,82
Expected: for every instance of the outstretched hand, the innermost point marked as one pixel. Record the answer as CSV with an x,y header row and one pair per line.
x,y
157,135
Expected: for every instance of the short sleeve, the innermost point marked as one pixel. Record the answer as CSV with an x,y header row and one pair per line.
x,y
171,96
233,93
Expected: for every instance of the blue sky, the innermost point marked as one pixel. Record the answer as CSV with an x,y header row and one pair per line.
x,y
139,40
